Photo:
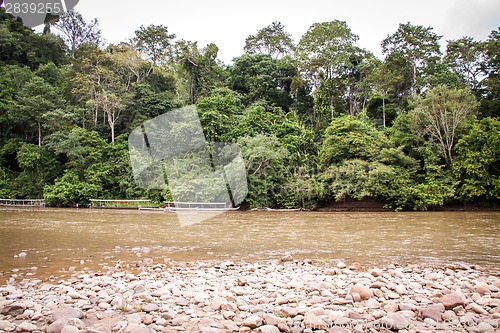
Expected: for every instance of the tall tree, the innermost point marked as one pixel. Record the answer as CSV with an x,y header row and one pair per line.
x,y
272,40
154,42
49,21
75,31
198,69
466,57
360,66
325,53
34,100
418,46
111,106
383,81
325,49
132,63
441,113
261,77
490,104
102,82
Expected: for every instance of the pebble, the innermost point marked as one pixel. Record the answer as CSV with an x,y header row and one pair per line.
x,y
286,295
70,329
253,321
5,325
432,312
268,329
26,327
362,290
394,321
451,301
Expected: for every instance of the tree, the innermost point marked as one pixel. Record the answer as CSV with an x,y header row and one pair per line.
x,y
324,50
490,103
360,66
441,113
68,191
383,81
358,161
265,161
418,46
466,57
34,100
20,46
38,166
218,113
272,40
103,83
154,42
350,138
477,161
261,77
48,22
76,32
12,79
127,56
198,69
327,55
111,106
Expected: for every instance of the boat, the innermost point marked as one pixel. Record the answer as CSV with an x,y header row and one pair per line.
x,y
179,206
22,202
119,204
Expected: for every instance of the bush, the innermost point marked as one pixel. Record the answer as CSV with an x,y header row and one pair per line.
x,y
69,191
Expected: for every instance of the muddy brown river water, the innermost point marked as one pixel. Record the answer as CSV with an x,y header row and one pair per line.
x,y
45,242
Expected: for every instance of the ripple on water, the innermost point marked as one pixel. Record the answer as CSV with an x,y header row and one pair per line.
x,y
59,238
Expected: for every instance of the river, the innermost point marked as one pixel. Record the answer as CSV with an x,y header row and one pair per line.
x,y
46,242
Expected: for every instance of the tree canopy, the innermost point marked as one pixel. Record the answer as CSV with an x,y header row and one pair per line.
x,y
319,121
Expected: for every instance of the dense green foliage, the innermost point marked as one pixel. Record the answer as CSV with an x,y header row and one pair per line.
x,y
318,121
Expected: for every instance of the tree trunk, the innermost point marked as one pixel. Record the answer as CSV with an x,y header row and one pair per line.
x,y
383,108
39,134
413,86
331,107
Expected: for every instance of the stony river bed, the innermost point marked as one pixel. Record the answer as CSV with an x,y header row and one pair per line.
x,y
284,295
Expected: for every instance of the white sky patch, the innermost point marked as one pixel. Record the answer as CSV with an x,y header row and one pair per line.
x,y
227,23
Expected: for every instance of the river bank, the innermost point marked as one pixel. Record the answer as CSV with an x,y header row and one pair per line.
x,y
284,295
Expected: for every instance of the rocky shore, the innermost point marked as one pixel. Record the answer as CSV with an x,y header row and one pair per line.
x,y
269,297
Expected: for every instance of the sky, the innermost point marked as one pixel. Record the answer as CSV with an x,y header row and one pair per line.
x,y
227,23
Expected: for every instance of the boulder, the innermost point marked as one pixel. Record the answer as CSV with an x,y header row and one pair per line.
x,y
137,328
394,321
57,326
433,312
12,310
476,308
252,321
70,329
362,290
451,301
314,322
26,327
270,320
376,272
5,325
151,307
482,289
66,313
484,327
372,304
268,329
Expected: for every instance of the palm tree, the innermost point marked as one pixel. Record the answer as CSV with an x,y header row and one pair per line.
x,y
49,21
